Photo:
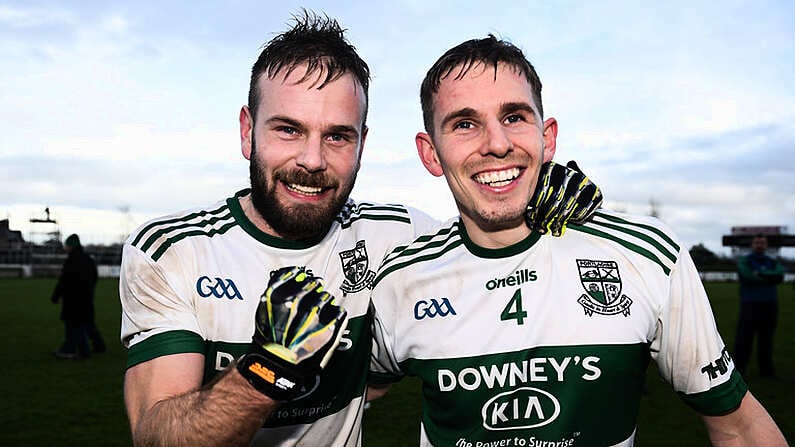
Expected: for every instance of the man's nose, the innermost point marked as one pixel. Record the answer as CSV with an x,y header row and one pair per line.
x,y
497,141
312,156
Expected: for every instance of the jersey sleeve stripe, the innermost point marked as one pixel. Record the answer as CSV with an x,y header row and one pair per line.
x,y
663,250
396,266
166,343
172,240
654,230
637,249
356,211
166,222
207,222
429,241
719,400
400,209
347,223
441,236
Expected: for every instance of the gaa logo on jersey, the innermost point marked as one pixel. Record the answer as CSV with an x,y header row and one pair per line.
x,y
217,287
355,268
602,283
433,308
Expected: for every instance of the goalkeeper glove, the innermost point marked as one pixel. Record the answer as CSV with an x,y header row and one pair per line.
x,y
298,326
563,195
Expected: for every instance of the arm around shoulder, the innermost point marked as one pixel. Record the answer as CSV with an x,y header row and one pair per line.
x,y
748,425
167,405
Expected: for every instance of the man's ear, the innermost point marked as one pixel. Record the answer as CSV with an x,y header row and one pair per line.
x,y
246,128
365,129
550,138
427,153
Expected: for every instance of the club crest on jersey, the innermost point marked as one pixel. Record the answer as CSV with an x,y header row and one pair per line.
x,y
355,268
602,283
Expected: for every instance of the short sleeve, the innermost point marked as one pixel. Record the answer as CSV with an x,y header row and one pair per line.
x,y
384,368
688,348
151,307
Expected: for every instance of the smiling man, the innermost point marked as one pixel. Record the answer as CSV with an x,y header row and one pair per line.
x,y
492,163
526,339
191,282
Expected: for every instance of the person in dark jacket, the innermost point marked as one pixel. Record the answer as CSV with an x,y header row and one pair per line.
x,y
75,289
759,276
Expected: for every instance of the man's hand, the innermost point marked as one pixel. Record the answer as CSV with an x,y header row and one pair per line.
x,y
563,195
298,326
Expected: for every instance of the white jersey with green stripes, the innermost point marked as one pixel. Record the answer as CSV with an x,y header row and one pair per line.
x,y
546,342
191,282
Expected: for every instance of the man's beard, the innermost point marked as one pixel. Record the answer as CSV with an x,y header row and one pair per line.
x,y
494,216
493,222
296,222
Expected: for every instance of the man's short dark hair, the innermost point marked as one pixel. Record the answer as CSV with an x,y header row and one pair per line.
x,y
489,51
314,40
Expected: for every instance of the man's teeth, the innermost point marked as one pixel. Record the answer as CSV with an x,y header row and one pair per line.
x,y
498,178
306,190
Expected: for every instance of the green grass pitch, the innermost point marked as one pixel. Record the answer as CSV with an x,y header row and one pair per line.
x,y
49,402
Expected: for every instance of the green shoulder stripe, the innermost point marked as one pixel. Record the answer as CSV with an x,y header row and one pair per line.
x,y
629,245
424,248
198,232
347,223
654,230
650,240
369,211
422,243
172,220
366,206
206,222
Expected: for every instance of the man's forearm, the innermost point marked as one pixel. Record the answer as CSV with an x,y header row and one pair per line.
x,y
748,426
227,412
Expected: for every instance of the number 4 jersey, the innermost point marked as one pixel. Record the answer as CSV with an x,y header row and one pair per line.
x,y
547,342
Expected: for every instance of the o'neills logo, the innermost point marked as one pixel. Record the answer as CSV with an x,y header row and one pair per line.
x,y
519,277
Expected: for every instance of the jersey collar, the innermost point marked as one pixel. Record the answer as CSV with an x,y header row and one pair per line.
x,y
496,253
240,217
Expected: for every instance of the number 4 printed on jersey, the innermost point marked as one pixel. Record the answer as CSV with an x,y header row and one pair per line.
x,y
514,309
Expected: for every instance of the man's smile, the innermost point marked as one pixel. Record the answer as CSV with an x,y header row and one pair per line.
x,y
497,178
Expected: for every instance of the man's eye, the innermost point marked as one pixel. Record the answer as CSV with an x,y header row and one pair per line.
x,y
287,130
514,118
462,125
338,138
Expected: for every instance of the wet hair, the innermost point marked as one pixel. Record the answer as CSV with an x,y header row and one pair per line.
x,y
459,60
314,40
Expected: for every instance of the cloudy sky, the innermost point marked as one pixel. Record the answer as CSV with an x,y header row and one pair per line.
x,y
116,112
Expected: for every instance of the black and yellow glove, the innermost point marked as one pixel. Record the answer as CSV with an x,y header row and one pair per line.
x,y
563,195
298,326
